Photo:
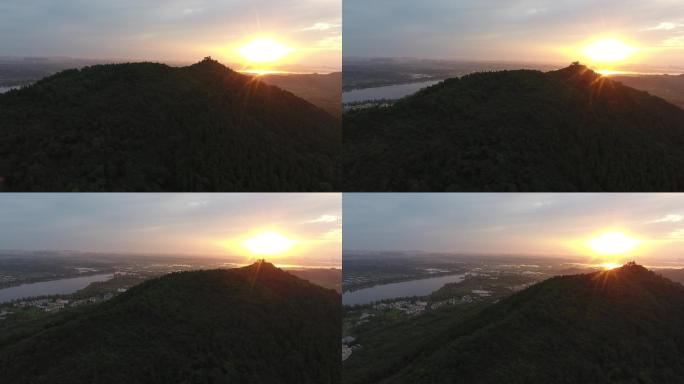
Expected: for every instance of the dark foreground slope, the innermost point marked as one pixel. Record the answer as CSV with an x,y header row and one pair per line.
x,y
251,325
620,326
567,130
151,127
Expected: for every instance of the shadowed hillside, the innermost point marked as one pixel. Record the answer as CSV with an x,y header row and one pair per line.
x,y
566,130
256,324
151,127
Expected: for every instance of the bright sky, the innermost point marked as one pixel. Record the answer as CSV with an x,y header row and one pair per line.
x,y
553,31
172,30
533,224
230,225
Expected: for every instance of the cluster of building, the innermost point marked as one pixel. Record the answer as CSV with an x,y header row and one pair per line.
x,y
366,105
407,306
415,307
454,301
57,304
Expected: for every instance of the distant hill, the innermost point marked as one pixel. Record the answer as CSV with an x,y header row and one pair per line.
x,y
152,127
618,326
669,87
256,324
565,130
322,90
676,275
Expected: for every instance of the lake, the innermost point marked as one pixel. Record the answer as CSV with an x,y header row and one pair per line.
x,y
422,287
391,92
54,287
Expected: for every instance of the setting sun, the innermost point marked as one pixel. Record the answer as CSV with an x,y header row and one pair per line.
x,y
613,243
264,51
609,51
269,243
609,266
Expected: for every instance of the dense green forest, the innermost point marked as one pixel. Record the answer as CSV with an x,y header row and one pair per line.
x,y
565,130
256,324
151,127
618,326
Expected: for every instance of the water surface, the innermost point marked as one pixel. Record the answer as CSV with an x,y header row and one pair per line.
x,y
422,287
54,287
391,92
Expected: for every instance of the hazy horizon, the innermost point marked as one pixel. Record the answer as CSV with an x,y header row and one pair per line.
x,y
204,225
179,31
535,225
541,31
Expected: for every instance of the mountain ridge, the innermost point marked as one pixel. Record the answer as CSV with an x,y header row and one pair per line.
x,y
151,127
253,324
622,325
524,130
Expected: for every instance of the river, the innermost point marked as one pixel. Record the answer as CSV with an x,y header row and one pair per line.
x,y
391,92
53,287
422,287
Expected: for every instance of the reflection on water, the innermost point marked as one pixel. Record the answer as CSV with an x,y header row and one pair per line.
x,y
54,287
391,92
420,287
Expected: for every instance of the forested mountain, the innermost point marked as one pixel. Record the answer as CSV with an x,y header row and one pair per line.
x,y
151,127
618,326
256,324
565,130
669,87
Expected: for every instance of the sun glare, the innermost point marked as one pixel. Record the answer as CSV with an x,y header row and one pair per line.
x,y
613,243
609,266
269,243
609,51
264,51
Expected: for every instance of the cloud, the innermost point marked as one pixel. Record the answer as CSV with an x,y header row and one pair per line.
x,y
516,30
322,27
172,30
333,235
670,218
193,224
325,219
665,26
330,43
677,234
674,42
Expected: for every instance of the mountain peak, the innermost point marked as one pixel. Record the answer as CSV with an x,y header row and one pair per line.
x,y
577,71
262,265
630,269
210,64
